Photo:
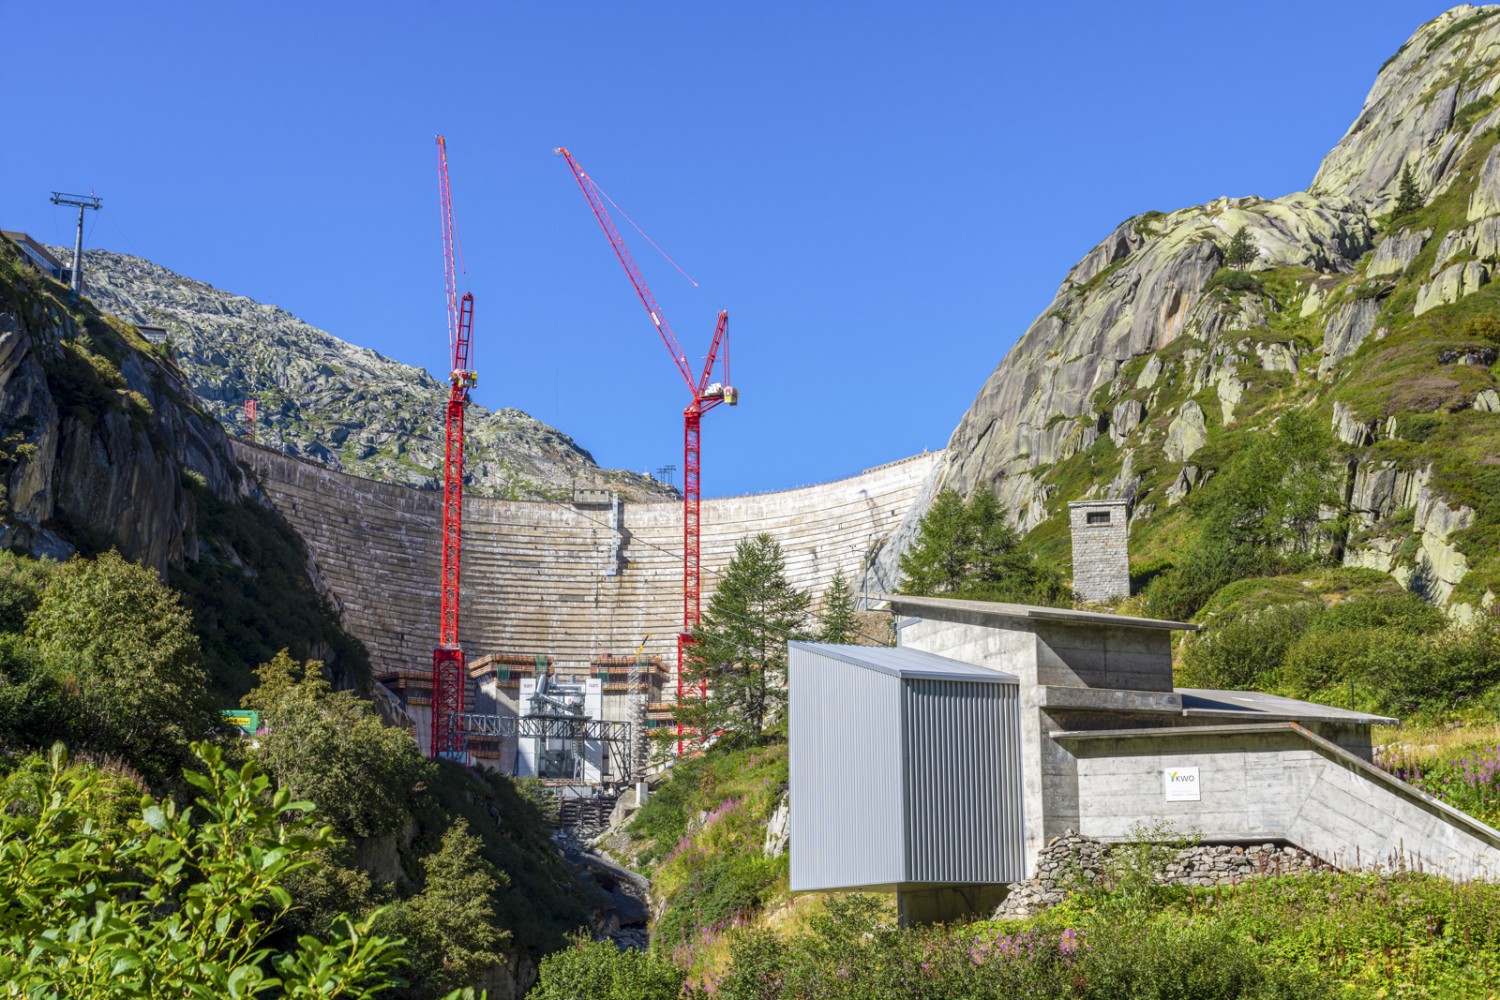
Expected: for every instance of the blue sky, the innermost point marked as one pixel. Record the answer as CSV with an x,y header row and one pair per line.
x,y
882,195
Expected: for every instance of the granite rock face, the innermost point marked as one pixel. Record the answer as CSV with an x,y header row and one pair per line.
x,y
1133,296
99,440
344,406
1151,331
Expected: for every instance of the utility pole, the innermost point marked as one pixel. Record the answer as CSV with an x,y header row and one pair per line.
x,y
83,201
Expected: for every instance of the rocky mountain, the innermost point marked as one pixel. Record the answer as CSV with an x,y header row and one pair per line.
x,y
97,435
1154,357
103,445
325,399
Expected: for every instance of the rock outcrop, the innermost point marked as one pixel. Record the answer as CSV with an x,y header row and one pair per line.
x,y
99,439
1151,332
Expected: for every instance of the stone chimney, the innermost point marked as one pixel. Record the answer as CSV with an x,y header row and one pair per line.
x,y
1101,558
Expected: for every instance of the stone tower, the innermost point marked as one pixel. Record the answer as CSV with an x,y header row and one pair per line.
x,y
1101,560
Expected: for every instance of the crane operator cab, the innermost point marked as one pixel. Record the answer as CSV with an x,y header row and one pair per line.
x,y
467,379
718,390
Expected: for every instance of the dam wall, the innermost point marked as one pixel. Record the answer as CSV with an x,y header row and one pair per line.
x,y
535,572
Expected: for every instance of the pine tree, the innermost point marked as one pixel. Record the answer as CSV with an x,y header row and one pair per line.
x,y
837,615
739,647
969,550
1242,250
1408,196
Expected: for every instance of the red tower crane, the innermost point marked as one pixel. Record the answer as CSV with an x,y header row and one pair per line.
x,y
448,676
703,396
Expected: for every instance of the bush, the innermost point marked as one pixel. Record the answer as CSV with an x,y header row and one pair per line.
x,y
1170,960
1245,649
1232,280
1180,592
180,905
716,890
597,970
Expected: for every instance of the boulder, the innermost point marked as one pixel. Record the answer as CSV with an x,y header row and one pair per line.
x,y
1451,284
1187,433
1125,417
1394,253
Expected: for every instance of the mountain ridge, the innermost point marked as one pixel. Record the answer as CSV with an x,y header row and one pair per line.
x,y
327,399
1135,379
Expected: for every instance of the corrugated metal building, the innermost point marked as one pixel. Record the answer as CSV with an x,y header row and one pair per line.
x,y
905,776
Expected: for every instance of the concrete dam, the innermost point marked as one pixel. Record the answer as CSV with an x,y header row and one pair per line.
x,y
557,578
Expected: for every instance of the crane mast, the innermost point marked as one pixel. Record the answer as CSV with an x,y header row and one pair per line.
x,y
448,675
704,396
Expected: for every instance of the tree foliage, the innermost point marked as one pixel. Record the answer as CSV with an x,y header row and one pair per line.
x,y
121,642
1408,194
450,926
1258,515
600,971
836,621
1242,250
182,904
739,646
968,549
330,747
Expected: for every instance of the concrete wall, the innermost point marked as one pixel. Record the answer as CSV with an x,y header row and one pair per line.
x,y
1277,782
534,572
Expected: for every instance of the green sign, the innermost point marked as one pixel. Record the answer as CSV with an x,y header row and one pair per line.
x,y
247,719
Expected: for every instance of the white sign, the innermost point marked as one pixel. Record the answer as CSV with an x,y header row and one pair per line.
x,y
1181,784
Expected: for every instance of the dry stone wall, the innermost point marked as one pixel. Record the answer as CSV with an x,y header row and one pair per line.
x,y
534,577
1073,862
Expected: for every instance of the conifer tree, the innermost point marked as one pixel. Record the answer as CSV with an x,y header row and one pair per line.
x,y
837,615
968,549
1242,250
1408,195
739,647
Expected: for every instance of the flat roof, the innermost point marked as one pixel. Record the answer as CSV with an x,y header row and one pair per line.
x,y
995,609
906,663
1259,705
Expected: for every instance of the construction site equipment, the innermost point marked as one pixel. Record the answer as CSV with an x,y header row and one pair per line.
x,y
81,202
448,674
251,411
704,396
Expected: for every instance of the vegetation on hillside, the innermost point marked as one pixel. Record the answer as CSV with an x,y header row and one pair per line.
x,y
102,655
102,899
1329,934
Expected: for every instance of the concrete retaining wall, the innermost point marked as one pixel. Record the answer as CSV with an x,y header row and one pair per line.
x,y
1274,782
534,572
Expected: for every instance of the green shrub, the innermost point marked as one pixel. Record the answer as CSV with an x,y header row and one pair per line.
x,y
597,970
1405,612
1180,592
1245,649
664,818
1232,280
717,889
1179,960
183,904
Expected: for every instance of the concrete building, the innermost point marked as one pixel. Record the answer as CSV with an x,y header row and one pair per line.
x,y
1101,560
38,256
1108,744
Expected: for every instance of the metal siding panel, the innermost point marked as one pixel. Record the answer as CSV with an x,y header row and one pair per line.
x,y
843,723
963,787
